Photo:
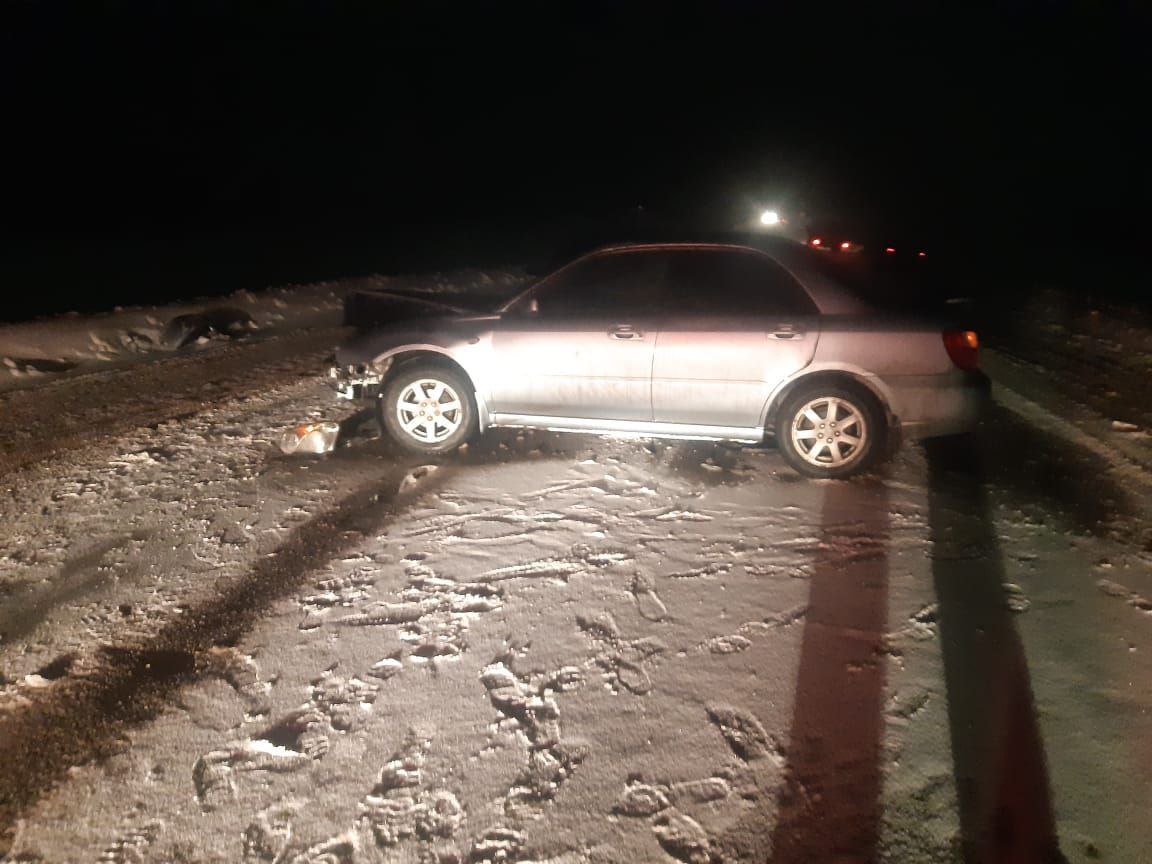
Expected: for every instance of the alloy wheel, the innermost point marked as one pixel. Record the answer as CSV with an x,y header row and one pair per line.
x,y
829,432
429,410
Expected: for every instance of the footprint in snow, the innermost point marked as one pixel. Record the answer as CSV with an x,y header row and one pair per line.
x,y
213,773
621,661
387,667
243,675
398,808
648,602
496,846
1015,599
713,569
132,846
268,836
345,701
338,850
683,838
745,734
532,709
641,800
304,731
727,644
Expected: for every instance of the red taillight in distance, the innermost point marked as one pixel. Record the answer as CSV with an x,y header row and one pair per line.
x,y
963,346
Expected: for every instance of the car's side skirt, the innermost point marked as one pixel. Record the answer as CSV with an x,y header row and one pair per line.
x,y
630,428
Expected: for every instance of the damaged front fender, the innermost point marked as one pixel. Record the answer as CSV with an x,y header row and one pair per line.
x,y
358,380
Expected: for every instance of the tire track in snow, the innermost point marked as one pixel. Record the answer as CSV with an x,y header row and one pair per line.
x,y
71,414
81,719
78,576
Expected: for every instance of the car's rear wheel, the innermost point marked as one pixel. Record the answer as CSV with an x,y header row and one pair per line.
x,y
427,408
829,431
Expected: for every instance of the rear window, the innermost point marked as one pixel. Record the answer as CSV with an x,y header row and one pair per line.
x,y
715,282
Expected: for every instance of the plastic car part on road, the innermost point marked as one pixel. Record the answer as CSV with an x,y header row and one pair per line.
x,y
310,438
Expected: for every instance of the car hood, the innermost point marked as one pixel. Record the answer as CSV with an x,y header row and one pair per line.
x,y
447,329
366,310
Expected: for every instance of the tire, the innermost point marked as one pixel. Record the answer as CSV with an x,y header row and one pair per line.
x,y
427,408
803,428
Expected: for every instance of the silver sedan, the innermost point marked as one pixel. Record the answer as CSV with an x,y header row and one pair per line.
x,y
688,340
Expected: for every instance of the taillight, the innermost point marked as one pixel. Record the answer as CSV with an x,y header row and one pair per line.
x,y
963,347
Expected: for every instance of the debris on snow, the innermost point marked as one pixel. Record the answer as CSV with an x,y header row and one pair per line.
x,y
313,438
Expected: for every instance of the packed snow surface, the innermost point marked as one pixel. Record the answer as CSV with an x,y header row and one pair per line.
x,y
554,648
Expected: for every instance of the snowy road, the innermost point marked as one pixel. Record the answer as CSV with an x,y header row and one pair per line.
x,y
73,413
548,647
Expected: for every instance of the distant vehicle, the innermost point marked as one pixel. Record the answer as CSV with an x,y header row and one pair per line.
x,y
841,241
684,340
833,243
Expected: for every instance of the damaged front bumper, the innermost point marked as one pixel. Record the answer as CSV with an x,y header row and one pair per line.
x,y
358,381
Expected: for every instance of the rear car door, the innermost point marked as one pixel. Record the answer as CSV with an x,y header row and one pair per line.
x,y
736,324
580,344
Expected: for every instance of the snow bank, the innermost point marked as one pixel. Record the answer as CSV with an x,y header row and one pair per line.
x,y
47,347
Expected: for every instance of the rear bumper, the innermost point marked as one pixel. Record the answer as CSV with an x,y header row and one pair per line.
x,y
950,407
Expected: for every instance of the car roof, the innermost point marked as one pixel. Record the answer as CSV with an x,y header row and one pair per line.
x,y
830,297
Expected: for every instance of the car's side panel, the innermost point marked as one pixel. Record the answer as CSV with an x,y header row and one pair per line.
x,y
719,370
905,366
857,374
597,368
882,347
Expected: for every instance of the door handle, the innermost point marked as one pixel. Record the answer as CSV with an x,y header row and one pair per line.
x,y
786,334
624,331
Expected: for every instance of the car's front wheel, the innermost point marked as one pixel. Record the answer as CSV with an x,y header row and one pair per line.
x,y
427,409
828,431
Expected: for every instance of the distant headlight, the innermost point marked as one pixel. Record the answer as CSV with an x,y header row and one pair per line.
x,y
769,217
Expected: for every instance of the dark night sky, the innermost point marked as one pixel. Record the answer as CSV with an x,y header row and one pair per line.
x,y
164,120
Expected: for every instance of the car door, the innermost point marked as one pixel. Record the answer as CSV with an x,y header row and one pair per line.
x,y
736,324
580,343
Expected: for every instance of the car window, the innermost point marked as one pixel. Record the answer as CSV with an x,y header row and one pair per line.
x,y
733,282
614,285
